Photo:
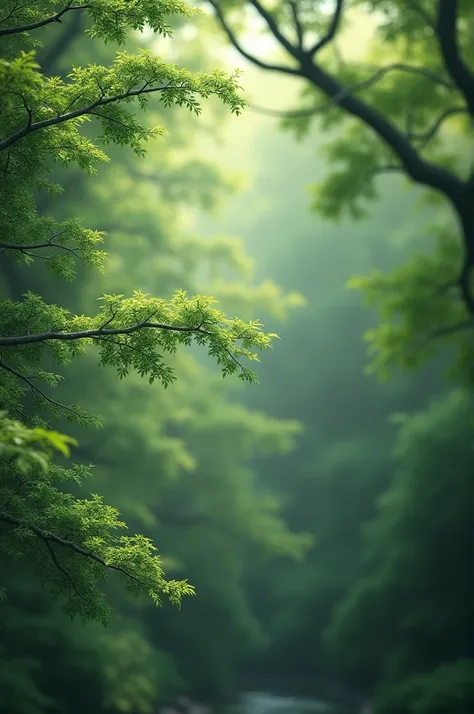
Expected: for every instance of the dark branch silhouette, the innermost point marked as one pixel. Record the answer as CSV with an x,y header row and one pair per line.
x,y
27,248
250,57
35,389
306,65
446,32
333,28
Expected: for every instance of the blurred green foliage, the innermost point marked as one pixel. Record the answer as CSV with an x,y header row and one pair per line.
x,y
341,567
151,451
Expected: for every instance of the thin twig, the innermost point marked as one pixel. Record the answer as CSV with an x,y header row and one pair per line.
x,y
297,23
273,26
352,88
41,23
426,136
333,28
60,567
53,538
235,42
39,246
363,84
36,390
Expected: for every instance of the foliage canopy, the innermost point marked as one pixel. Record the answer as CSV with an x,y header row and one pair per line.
x,y
73,542
411,114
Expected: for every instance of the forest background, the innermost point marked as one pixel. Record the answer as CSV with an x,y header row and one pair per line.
x,y
323,516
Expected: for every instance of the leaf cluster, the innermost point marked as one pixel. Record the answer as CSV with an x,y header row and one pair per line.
x,y
50,122
35,511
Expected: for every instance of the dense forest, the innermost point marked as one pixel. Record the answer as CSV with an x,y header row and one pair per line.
x,y
236,356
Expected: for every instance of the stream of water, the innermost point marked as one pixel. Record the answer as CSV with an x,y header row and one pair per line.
x,y
263,703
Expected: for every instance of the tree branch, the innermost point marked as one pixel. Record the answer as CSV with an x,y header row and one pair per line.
x,y
297,23
97,332
453,329
447,37
412,69
248,56
38,246
363,84
333,28
292,114
416,167
419,169
41,23
47,536
102,102
416,7
273,27
426,136
60,567
36,390
385,169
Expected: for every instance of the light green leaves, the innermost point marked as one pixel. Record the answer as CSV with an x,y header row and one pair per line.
x,y
130,334
111,18
36,514
419,312
74,543
26,448
61,245
58,109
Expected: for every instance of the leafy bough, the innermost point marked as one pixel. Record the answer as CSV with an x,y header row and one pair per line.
x,y
102,92
33,509
42,118
111,18
73,542
130,333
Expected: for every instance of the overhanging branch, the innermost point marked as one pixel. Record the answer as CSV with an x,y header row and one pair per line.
x,y
93,333
430,133
365,84
273,27
333,28
41,23
48,537
416,167
36,390
420,170
89,109
28,247
232,37
60,567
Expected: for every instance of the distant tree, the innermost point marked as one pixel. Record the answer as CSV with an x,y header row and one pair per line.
x,y
409,612
401,105
74,543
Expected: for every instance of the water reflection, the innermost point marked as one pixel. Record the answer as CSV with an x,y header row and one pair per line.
x,y
263,703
